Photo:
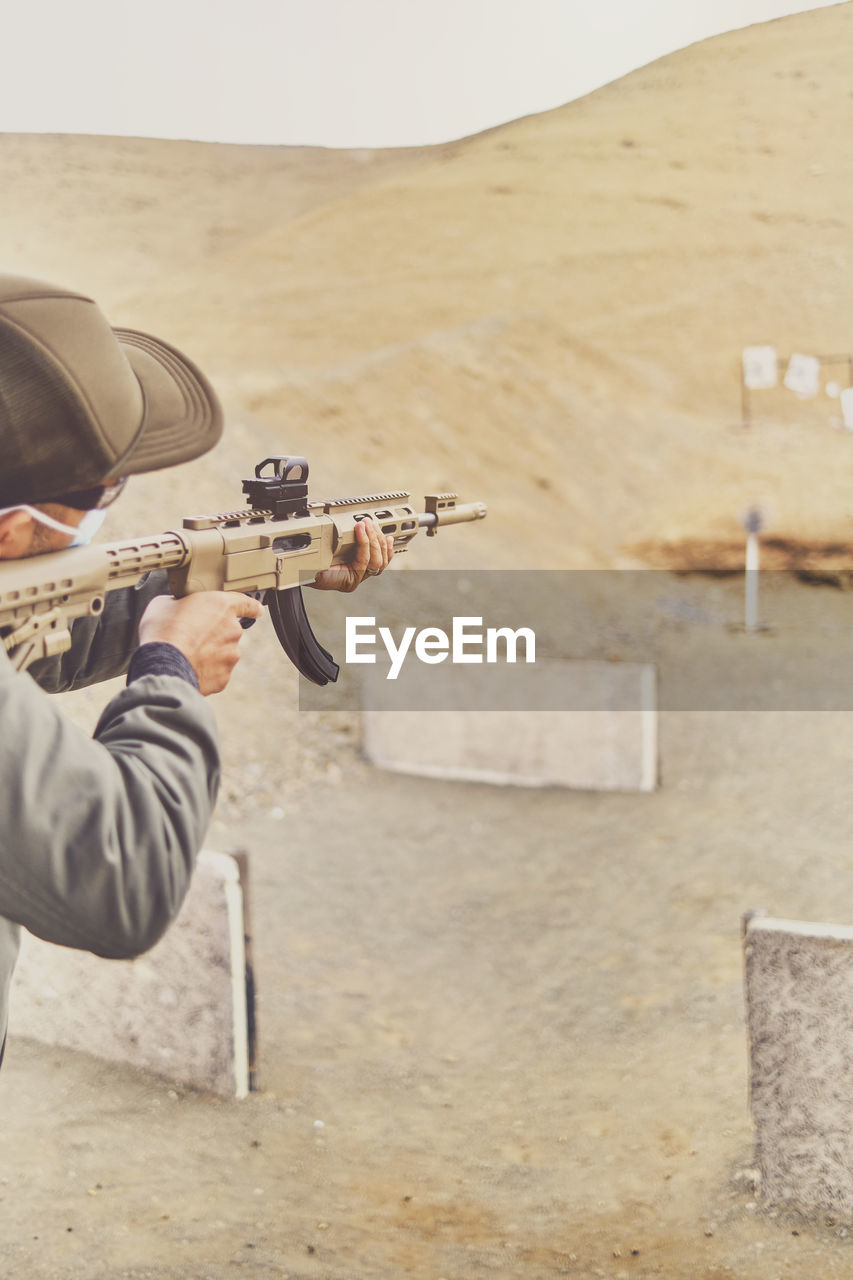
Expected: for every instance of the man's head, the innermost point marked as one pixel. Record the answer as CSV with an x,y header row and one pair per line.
x,y
82,404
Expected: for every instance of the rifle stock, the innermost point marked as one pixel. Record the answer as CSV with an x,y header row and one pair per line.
x,y
266,551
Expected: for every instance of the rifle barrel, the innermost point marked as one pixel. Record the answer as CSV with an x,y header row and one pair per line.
x,y
454,515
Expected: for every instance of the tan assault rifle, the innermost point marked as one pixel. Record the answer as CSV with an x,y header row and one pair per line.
x,y
280,541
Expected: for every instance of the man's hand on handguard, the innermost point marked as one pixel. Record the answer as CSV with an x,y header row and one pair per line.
x,y
373,552
205,627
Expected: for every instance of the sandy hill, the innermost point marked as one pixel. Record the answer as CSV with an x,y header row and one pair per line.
x,y
549,315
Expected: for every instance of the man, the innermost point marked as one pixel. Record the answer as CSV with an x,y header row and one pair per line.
x,y
99,836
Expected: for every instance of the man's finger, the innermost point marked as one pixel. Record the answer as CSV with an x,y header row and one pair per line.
x,y
378,550
361,557
368,557
379,556
246,606
246,609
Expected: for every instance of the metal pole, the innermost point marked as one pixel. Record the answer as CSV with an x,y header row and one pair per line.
x,y
752,575
753,522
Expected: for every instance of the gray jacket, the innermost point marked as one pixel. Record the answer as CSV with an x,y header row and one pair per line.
x,y
99,836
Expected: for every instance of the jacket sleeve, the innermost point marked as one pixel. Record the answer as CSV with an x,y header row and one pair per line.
x,y
100,835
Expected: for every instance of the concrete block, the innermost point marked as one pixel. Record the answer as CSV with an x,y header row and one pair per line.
x,y
799,1000
184,1010
585,725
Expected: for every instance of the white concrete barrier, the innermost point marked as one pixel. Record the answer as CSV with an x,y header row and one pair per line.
x,y
611,744
185,1009
799,1000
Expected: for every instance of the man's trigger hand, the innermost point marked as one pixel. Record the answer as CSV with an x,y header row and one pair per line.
x,y
206,627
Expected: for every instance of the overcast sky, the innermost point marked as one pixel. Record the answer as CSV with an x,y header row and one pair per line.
x,y
337,73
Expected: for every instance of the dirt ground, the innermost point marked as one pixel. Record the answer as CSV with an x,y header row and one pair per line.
x,y
502,1031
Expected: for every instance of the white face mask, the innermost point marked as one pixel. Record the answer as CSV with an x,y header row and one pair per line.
x,y
87,528
81,534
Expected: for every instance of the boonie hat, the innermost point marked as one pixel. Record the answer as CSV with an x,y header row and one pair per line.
x,y
81,402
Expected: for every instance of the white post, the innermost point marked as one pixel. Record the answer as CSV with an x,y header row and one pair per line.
x,y
752,571
753,521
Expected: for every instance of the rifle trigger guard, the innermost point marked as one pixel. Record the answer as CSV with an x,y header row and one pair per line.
x,y
287,611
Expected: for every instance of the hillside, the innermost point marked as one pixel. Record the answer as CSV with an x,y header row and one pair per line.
x,y
549,315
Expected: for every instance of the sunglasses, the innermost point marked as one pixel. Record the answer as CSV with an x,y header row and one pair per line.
x,y
95,499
